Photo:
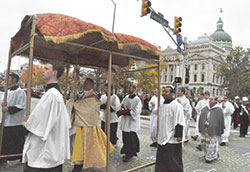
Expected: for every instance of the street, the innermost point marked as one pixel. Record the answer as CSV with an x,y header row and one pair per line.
x,y
235,157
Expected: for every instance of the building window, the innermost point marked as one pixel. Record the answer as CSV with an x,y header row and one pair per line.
x,y
214,67
217,91
203,66
166,69
172,78
221,92
202,78
171,68
166,78
213,91
196,67
217,79
213,78
195,78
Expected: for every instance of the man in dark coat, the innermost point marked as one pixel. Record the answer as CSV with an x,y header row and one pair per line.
x,y
211,127
244,117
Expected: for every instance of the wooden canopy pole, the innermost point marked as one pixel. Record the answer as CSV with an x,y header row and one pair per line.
x,y
66,84
108,115
32,36
107,122
139,70
140,167
5,97
159,98
158,112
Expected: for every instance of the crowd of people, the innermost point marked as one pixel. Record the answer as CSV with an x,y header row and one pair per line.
x,y
55,131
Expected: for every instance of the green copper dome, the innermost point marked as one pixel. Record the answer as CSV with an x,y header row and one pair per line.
x,y
220,34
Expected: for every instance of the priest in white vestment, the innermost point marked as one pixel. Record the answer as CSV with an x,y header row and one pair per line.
x,y
90,141
228,110
47,144
170,134
153,107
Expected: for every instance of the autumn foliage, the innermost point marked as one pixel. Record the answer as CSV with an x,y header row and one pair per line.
x,y
37,79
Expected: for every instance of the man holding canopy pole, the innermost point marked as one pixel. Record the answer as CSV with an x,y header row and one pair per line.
x,y
14,109
170,134
47,144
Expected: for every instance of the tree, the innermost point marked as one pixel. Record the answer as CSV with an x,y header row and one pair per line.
x,y
121,80
37,78
147,80
236,72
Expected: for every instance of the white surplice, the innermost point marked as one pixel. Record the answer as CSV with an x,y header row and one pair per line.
x,y
200,105
153,117
15,98
187,113
131,122
228,110
47,144
115,105
170,115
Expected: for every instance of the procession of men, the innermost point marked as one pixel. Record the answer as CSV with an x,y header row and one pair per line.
x,y
47,129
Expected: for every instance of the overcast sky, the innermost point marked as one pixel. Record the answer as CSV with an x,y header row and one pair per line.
x,y
199,17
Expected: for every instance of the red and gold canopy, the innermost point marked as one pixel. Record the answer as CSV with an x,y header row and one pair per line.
x,y
55,31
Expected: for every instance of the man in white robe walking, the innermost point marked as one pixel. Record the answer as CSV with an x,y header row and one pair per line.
x,y
187,110
114,107
153,107
171,123
47,144
200,105
130,123
228,110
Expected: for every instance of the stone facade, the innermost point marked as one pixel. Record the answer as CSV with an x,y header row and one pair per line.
x,y
204,55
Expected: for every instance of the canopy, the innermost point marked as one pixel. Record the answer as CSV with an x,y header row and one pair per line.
x,y
69,39
137,46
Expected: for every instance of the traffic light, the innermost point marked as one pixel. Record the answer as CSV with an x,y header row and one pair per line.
x,y
177,79
177,24
145,7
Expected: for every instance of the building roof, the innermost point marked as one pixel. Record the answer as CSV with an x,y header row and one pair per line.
x,y
220,34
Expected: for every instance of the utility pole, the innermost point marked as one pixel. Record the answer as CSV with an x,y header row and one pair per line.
x,y
185,61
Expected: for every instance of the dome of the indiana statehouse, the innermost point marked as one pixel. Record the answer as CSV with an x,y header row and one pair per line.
x,y
220,34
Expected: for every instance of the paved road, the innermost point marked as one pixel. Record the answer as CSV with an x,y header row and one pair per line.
x,y
235,157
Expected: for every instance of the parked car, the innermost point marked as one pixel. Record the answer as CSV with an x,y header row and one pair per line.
x,y
37,92
2,88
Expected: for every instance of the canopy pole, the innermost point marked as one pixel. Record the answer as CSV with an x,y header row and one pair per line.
x,y
12,155
20,50
5,97
32,36
108,115
159,98
66,84
140,167
109,98
139,70
107,51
